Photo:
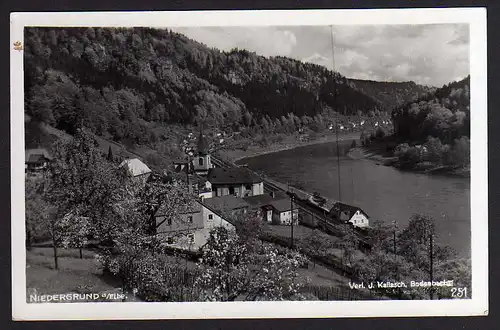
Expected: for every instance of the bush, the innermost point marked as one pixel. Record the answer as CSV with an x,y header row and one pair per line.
x,y
408,156
380,133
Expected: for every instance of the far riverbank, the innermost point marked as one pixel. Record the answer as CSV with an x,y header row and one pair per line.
x,y
379,153
288,143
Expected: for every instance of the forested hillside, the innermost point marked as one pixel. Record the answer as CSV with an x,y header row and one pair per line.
x,y
391,94
443,114
434,131
120,83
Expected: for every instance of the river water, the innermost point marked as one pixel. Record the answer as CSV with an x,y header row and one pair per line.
x,y
383,192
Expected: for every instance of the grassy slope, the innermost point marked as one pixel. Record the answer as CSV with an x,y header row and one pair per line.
x,y
75,275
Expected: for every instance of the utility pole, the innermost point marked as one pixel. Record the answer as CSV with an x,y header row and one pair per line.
x,y
337,121
431,265
394,239
291,216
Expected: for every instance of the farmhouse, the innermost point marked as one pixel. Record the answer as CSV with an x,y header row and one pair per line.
x,y
235,181
190,229
36,159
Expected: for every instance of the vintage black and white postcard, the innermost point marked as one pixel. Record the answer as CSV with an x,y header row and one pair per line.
x,y
249,164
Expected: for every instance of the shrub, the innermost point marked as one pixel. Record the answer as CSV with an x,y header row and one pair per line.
x,y
380,133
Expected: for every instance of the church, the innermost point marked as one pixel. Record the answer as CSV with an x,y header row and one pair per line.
x,y
214,181
199,164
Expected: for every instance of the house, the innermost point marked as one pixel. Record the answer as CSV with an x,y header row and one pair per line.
x,y
236,181
262,204
204,189
282,212
36,159
348,213
180,229
189,230
136,167
227,204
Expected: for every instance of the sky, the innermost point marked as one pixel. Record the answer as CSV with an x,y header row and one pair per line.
x,y
430,54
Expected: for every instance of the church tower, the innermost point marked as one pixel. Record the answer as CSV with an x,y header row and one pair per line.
x,y
202,162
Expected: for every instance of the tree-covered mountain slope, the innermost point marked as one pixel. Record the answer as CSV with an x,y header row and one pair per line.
x,y
391,94
443,114
119,81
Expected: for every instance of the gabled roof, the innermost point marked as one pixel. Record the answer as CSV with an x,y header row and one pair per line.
x,y
136,167
36,152
226,203
192,207
264,199
218,212
282,205
36,159
233,175
346,208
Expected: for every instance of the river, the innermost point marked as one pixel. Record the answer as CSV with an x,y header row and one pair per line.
x,y
383,192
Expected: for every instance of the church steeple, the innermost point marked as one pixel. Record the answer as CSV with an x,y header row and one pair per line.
x,y
203,147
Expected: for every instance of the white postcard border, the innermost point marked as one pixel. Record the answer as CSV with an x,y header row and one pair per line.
x,y
478,305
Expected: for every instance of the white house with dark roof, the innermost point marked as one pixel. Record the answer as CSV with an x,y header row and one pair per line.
x,y
349,213
236,181
283,211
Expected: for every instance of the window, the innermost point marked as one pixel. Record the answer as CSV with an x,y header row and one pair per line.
x,y
190,238
190,219
210,217
169,222
170,240
200,161
231,190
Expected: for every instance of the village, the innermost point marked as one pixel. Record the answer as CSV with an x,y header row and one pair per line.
x,y
225,189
